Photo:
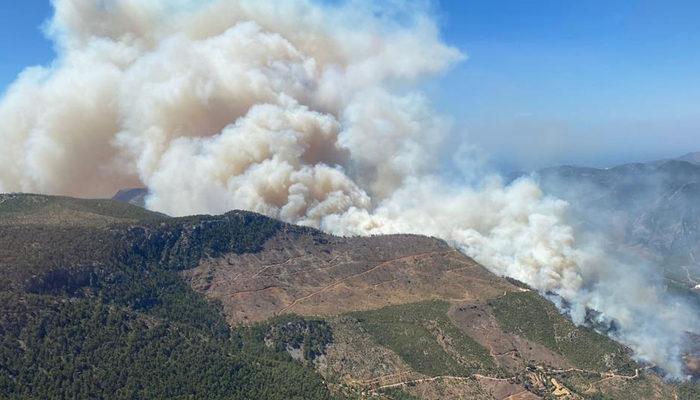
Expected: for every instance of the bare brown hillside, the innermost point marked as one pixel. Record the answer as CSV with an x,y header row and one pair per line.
x,y
412,315
324,275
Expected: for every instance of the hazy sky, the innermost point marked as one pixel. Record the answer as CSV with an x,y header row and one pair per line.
x,y
546,82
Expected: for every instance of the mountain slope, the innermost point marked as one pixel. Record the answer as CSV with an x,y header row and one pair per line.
x,y
649,210
135,196
105,300
93,307
691,157
318,274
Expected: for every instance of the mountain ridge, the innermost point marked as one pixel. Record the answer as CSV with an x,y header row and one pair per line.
x,y
387,316
646,209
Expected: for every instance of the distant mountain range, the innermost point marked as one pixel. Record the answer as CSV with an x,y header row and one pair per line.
x,y
691,157
135,196
650,210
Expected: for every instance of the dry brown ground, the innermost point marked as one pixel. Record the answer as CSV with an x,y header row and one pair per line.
x,y
449,390
503,389
324,275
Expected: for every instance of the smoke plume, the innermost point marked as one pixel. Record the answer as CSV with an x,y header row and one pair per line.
x,y
307,112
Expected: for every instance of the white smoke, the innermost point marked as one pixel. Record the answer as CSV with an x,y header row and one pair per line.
x,y
302,111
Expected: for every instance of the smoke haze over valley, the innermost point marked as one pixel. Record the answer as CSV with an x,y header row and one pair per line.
x,y
312,113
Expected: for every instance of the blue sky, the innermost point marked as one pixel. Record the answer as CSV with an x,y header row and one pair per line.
x,y
586,82
593,82
21,40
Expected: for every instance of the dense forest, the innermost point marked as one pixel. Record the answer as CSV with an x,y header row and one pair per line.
x,y
94,307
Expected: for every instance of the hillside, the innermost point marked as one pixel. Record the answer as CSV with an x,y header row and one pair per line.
x,y
691,157
648,210
102,299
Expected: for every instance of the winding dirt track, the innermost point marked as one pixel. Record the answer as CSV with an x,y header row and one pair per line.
x,y
433,379
604,375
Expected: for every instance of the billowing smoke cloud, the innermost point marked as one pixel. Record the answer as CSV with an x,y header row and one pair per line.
x,y
306,112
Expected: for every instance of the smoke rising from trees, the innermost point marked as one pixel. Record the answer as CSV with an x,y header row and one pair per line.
x,y
304,112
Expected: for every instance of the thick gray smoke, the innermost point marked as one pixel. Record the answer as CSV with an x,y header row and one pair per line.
x,y
305,112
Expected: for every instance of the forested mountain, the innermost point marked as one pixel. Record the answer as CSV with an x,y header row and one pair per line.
x,y
101,299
